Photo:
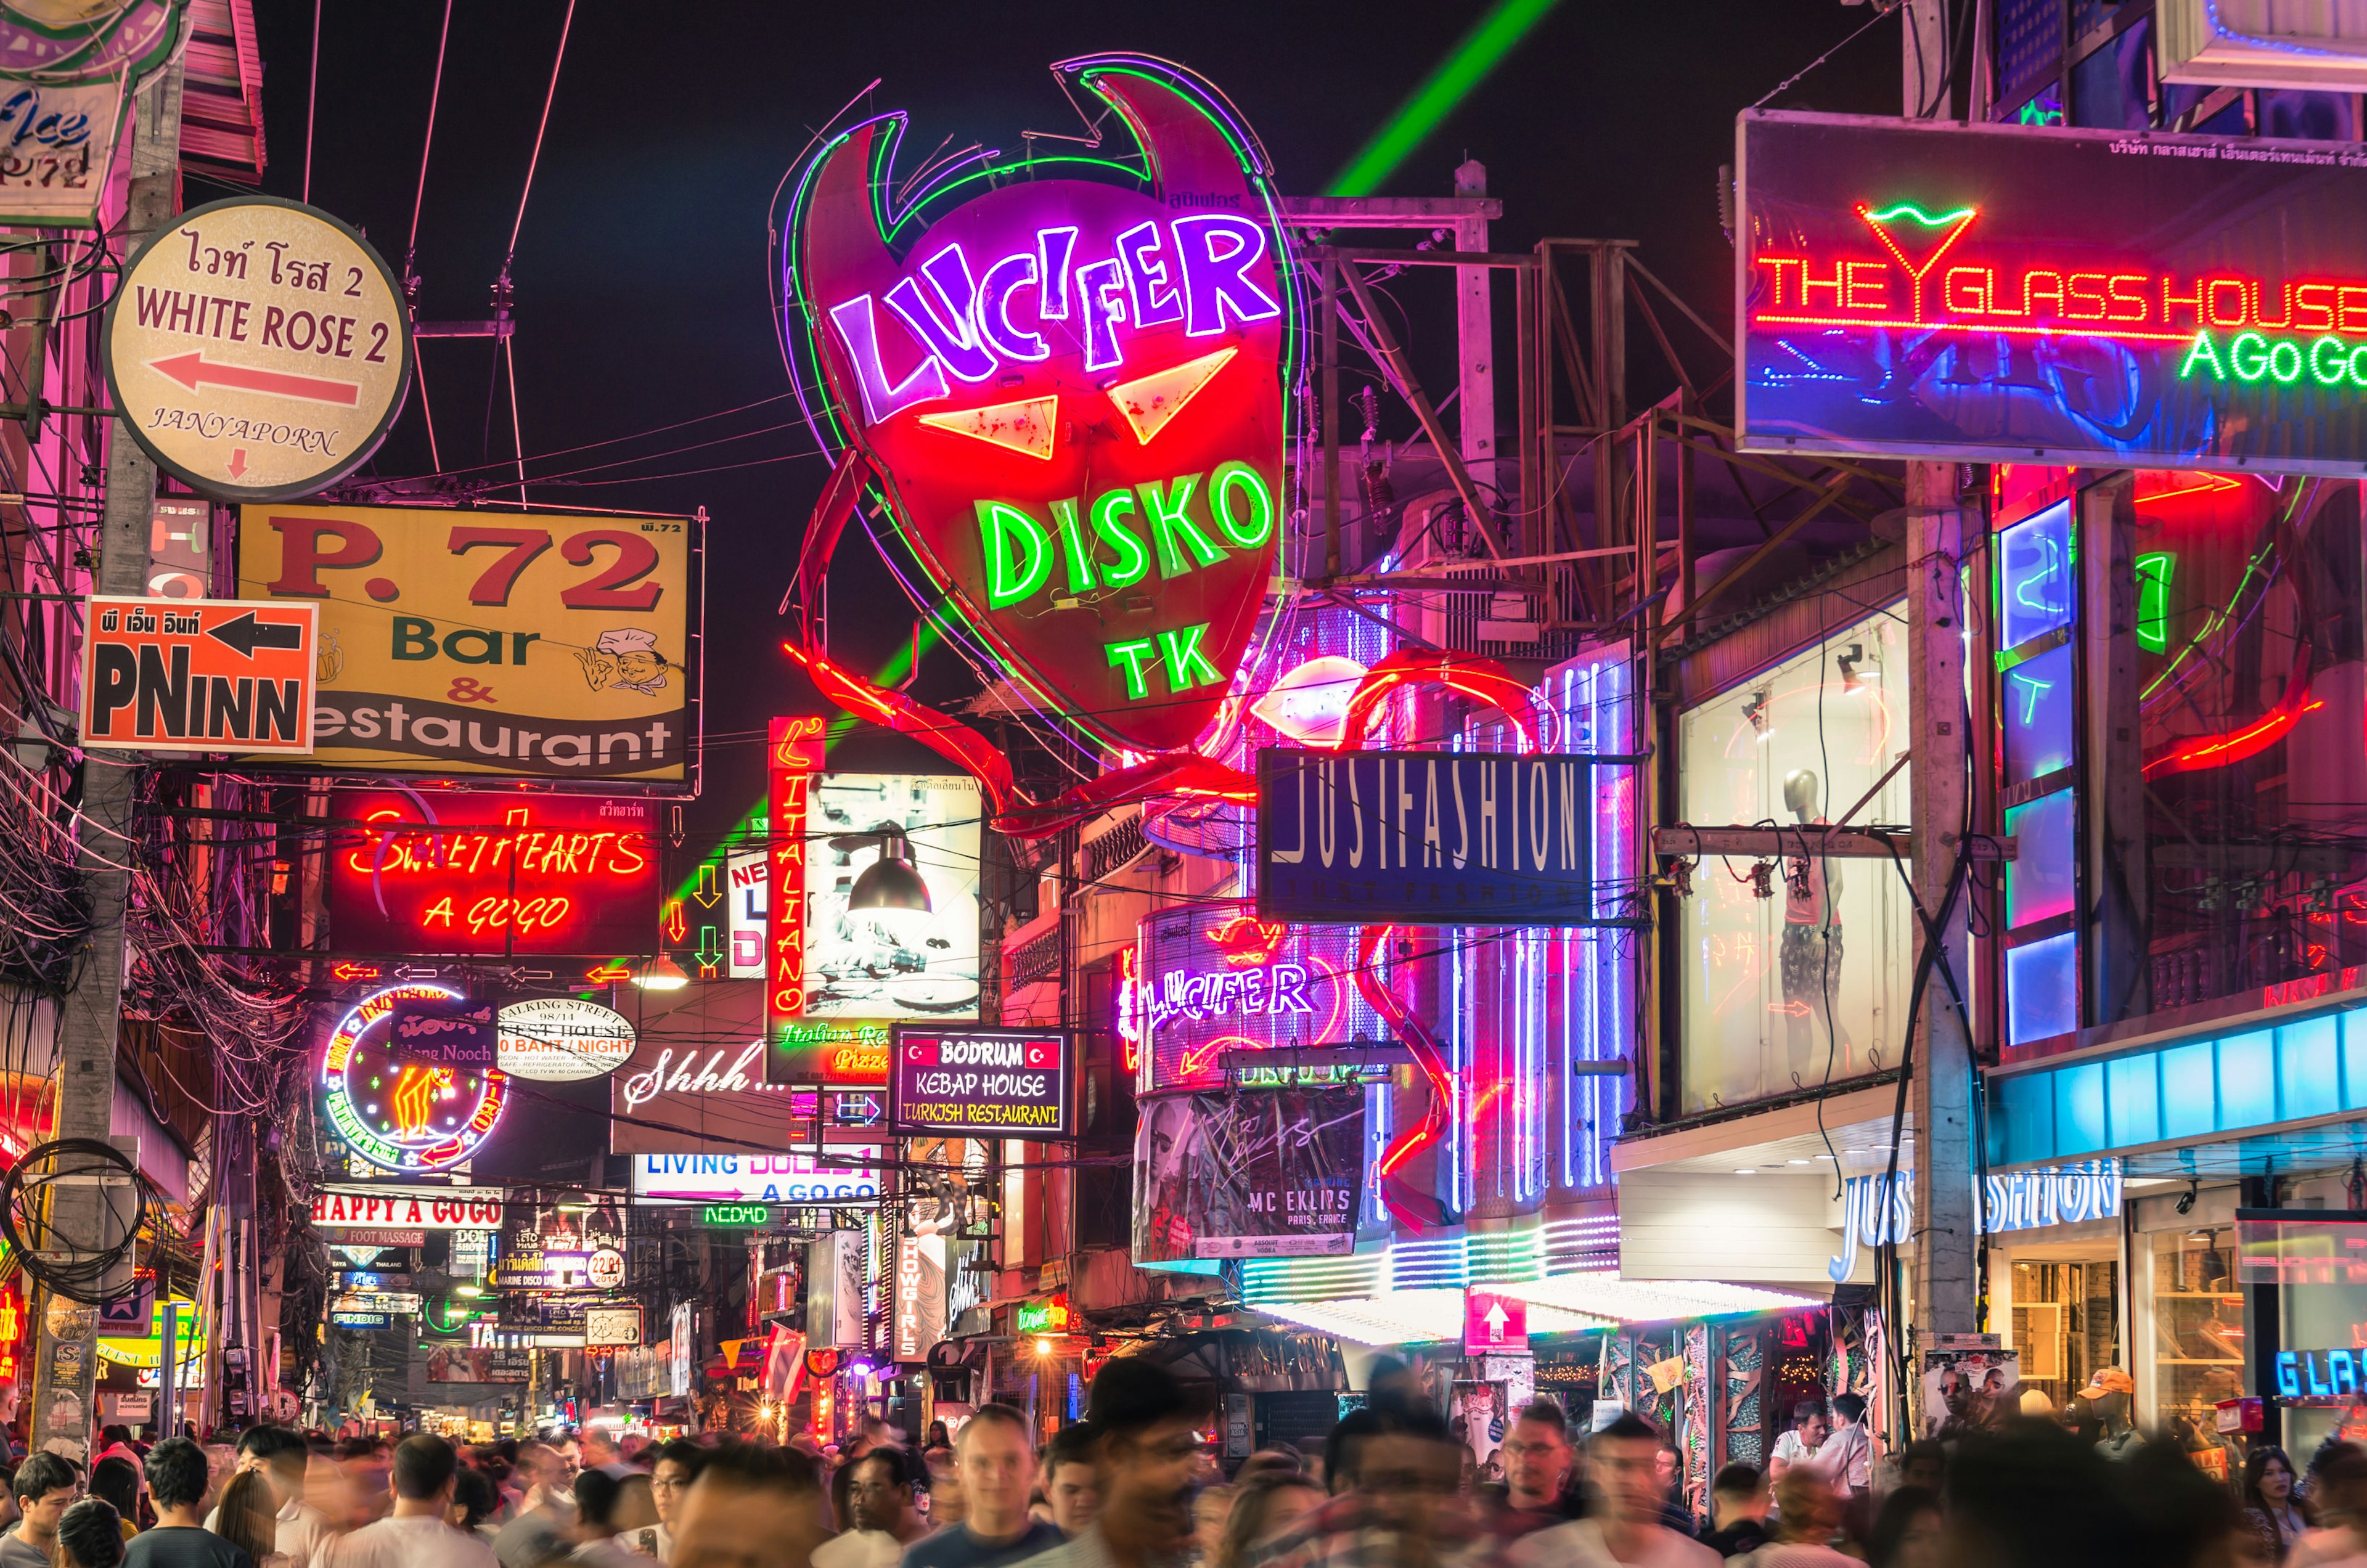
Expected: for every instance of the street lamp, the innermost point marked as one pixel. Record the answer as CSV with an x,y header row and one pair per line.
x,y
661,974
889,890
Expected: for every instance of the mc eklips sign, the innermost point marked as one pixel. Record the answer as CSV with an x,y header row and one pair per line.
x,y
258,349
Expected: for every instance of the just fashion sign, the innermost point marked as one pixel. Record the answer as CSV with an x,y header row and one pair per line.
x,y
2018,1200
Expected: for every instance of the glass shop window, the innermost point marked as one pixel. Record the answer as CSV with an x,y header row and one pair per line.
x,y
2252,680
1797,974
2197,1330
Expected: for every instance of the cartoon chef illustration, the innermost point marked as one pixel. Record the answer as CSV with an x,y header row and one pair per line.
x,y
627,658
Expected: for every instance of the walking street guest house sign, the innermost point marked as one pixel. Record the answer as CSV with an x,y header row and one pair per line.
x,y
258,349
1066,372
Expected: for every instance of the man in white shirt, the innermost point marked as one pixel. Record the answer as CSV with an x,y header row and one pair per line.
x,y
1801,1443
1847,1456
415,1534
1625,1461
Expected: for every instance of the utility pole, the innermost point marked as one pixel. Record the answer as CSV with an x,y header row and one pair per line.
x,y
1946,1292
85,1217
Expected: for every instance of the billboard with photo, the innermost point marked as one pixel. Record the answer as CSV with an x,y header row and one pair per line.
x,y
520,645
1265,1173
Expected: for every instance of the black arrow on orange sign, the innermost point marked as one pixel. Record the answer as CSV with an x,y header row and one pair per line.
x,y
246,634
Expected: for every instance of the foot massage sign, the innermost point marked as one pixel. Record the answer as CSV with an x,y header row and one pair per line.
x,y
1065,375
2006,293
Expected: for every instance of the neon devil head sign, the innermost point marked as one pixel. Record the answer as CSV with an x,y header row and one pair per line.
x,y
1067,375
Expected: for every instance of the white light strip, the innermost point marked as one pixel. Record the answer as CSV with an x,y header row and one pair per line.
x,y
1407,1317
1651,1300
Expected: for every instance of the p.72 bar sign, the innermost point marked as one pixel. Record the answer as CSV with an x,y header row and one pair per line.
x,y
198,675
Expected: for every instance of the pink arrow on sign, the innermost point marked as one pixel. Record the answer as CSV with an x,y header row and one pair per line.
x,y
193,368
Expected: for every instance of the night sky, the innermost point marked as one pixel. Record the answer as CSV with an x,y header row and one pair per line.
x,y
641,274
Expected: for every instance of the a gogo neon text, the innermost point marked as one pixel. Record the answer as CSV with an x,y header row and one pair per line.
x,y
970,324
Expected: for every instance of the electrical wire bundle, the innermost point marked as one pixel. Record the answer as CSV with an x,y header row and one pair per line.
x,y
184,885
26,1206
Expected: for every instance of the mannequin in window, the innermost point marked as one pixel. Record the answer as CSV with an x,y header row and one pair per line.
x,y
1812,941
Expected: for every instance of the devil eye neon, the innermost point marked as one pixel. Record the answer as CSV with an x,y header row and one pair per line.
x,y
1149,402
1029,426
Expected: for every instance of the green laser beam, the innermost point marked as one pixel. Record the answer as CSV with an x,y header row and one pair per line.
x,y
1479,52
753,823
1910,210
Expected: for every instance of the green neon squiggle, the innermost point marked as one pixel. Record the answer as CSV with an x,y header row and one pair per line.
x,y
1910,210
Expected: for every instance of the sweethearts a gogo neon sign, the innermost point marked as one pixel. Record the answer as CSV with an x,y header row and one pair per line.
x,y
1067,375
404,1116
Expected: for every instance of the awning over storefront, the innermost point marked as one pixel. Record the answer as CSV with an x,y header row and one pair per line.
x,y
1567,1303
2241,1099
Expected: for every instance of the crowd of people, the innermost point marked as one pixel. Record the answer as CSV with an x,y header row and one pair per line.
x,y
1134,1486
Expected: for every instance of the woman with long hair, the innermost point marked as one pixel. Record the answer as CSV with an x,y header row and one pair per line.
x,y
248,1518
2274,1513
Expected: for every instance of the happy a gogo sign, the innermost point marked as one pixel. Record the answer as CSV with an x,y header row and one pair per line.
x,y
1067,375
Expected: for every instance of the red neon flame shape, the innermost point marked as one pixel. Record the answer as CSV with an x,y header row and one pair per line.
x,y
1247,942
1483,680
2218,750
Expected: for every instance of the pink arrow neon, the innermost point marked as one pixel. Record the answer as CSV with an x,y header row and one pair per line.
x,y
237,461
192,369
